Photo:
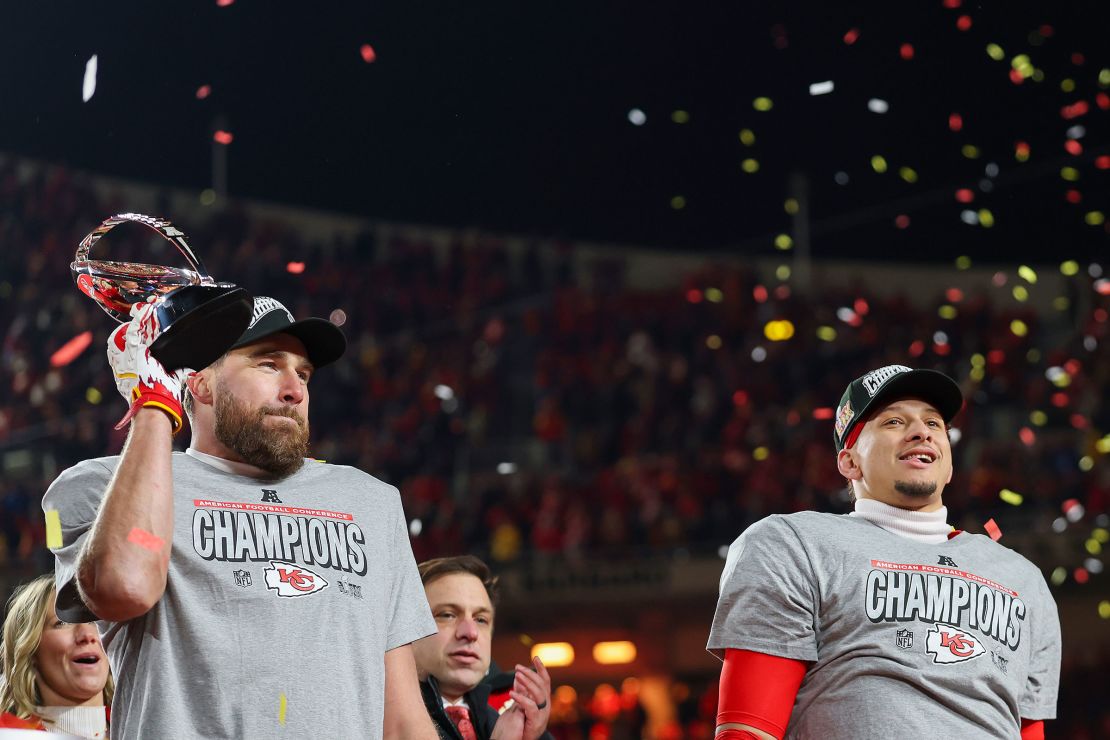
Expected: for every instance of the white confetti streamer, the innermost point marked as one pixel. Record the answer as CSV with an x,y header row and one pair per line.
x,y
89,85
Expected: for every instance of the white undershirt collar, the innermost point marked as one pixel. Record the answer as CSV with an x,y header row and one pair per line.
x,y
228,466
89,722
930,527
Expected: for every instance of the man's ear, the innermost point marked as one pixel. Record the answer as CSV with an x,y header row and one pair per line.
x,y
846,464
200,385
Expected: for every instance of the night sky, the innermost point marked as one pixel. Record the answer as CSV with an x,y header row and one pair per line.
x,y
517,117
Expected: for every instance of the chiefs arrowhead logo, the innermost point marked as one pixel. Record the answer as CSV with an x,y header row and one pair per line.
x,y
950,645
289,579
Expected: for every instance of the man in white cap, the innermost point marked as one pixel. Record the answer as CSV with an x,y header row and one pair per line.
x,y
244,589
885,622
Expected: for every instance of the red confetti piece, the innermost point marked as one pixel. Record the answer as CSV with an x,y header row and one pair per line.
x,y
1068,505
1015,77
955,121
860,306
954,295
823,413
1073,147
224,3
992,530
295,268
1027,436
740,398
204,91
1103,101
1059,400
1102,287
917,348
793,418
759,293
965,195
1074,196
142,538
223,137
1077,59
1075,110
942,349
1103,162
963,22
851,36
952,4
902,221
368,53
1101,314
1046,30
71,350
1073,366
906,51
1079,421
782,292
1021,148
693,295
1081,576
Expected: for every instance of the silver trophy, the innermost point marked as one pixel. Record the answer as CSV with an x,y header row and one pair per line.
x,y
200,318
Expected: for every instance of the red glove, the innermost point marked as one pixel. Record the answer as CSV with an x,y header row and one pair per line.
x,y
141,379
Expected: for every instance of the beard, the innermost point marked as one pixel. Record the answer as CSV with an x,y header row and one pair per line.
x,y
916,489
279,451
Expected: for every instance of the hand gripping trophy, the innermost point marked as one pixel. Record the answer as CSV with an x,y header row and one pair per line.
x,y
180,317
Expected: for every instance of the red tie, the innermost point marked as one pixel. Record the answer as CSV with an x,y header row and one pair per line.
x,y
460,715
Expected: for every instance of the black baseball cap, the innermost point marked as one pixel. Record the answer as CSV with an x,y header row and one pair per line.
x,y
871,391
322,339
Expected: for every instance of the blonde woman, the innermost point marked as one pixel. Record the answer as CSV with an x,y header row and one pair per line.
x,y
55,674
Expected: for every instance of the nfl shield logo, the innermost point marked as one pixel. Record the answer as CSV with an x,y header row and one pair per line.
x,y
905,639
242,578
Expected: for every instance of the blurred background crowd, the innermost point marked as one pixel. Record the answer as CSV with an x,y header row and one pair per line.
x,y
542,404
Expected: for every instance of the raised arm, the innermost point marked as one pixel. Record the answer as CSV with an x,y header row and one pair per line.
x,y
122,568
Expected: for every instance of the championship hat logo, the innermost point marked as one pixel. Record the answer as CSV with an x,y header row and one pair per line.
x,y
289,579
844,417
950,645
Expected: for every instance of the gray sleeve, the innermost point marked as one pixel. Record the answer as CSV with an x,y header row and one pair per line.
x,y
75,495
768,599
1043,682
410,617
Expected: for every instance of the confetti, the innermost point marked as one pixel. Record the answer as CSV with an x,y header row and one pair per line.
x,y
145,539
906,51
366,51
53,529
878,105
955,121
763,104
204,91
294,268
851,36
223,137
88,86
821,88
71,350
1013,498
993,530
224,3
637,117
680,116
963,22
282,705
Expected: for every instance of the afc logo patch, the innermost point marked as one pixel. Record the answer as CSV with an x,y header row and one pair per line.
x,y
904,639
951,645
290,580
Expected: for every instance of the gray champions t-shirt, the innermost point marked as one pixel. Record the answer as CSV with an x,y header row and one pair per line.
x,y
281,601
959,639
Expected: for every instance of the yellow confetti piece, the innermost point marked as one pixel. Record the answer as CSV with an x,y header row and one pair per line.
x,y
713,341
994,51
1093,546
1069,173
1020,294
282,703
908,174
1059,575
680,116
790,206
750,165
678,202
986,218
826,333
783,242
1101,535
1028,274
963,262
1104,77
761,453
1069,268
970,151
1013,498
747,136
53,529
878,163
1104,609
762,104
947,312
714,295
1095,218
1067,85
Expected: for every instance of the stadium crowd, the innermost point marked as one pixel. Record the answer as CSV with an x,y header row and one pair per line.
x,y
528,408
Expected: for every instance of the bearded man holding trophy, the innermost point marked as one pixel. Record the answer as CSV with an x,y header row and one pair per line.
x,y
242,588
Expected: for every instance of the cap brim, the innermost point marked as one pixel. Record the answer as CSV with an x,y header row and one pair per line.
x,y
928,385
322,339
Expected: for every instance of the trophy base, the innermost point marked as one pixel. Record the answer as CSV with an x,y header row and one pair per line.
x,y
201,323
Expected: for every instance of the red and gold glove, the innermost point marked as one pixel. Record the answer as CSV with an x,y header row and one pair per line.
x,y
140,378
